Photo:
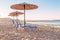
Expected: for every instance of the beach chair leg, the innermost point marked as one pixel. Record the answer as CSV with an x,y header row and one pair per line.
x,y
16,29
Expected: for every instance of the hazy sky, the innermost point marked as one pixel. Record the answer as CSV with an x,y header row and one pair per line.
x,y
47,9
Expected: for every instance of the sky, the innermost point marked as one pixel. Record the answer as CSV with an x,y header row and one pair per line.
x,y
47,9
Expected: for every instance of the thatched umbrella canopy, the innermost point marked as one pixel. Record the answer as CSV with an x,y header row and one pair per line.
x,y
21,6
15,14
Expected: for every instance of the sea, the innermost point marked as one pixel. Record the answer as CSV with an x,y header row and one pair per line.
x,y
46,22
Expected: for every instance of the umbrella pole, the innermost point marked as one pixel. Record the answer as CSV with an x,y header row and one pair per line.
x,y
24,16
17,23
13,19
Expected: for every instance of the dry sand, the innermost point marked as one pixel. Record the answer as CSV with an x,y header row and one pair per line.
x,y
43,32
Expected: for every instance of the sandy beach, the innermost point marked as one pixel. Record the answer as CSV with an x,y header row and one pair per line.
x,y
42,32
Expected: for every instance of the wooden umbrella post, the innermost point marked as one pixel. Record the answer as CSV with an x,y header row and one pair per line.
x,y
13,19
17,19
24,15
16,24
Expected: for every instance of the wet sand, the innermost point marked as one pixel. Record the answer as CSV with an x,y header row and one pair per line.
x,y
43,32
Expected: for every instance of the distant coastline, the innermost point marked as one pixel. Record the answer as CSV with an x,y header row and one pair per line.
x,y
43,20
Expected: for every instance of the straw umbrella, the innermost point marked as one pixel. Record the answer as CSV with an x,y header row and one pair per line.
x,y
16,14
12,15
24,7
